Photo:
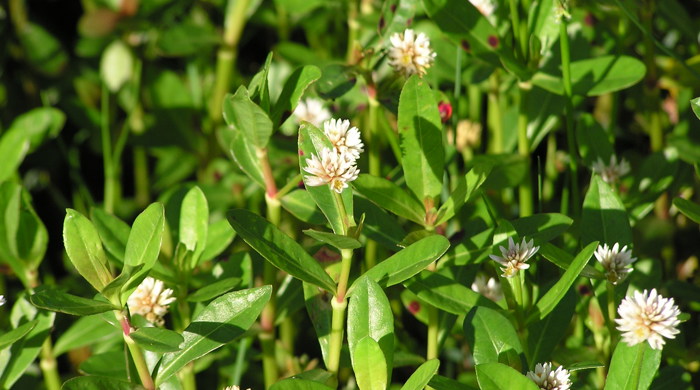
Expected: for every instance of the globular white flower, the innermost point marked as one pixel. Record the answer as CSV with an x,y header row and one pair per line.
x,y
612,172
2,300
336,169
344,138
514,258
647,316
548,379
616,261
486,7
233,388
490,288
410,54
151,300
312,110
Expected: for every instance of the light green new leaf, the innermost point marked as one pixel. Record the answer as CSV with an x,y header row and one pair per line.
x,y
369,365
220,322
57,300
17,333
604,217
145,238
157,339
278,248
627,373
420,128
13,146
293,89
84,249
465,189
695,105
194,222
248,118
245,155
688,208
259,87
38,124
408,261
497,376
555,294
390,197
446,294
492,337
422,376
25,351
370,316
113,231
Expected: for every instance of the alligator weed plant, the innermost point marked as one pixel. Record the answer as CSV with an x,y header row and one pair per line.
x,y
350,194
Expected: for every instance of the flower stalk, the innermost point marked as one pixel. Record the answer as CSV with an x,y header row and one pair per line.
x,y
135,351
569,113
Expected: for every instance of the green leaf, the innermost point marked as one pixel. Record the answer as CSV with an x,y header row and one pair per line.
x,y
248,118
422,152
688,208
157,339
422,376
626,369
259,87
290,298
38,124
369,365
593,141
397,15
244,154
57,300
695,105
446,294
340,242
555,294
17,333
145,238
390,197
113,231
312,141
187,38
220,322
220,234
25,351
98,382
213,290
443,383
545,335
465,189
497,376
336,81
89,330
279,249
42,50
492,338
299,384
542,227
114,290
408,261
540,18
32,237
379,225
595,76
293,89
84,249
194,223
604,217
320,311
370,316
300,204
563,260
14,146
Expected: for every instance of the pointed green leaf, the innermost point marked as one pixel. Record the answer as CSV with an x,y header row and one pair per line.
x,y
446,294
243,115
369,365
626,370
420,127
408,261
340,242
245,155
113,231
259,87
497,376
695,105
555,294
440,382
336,81
544,336
145,238
157,339
220,322
213,290
300,204
38,124
220,234
13,146
604,217
292,91
23,353
391,197
318,306
542,227
465,189
688,208
88,330
84,249
492,338
92,382
379,225
57,300
422,376
17,333
299,384
278,248
370,316
194,222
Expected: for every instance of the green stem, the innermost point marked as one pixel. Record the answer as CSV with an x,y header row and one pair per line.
x,y
234,21
109,179
337,327
515,20
240,360
611,317
568,91
345,265
525,188
141,180
433,328
291,184
343,213
495,116
371,131
187,378
370,254
136,353
268,335
18,15
52,380
353,29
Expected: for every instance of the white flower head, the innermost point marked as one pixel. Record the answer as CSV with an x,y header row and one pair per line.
x,y
616,261
548,379
486,7
647,316
614,171
490,288
336,169
312,110
234,387
2,300
151,300
514,258
344,138
410,54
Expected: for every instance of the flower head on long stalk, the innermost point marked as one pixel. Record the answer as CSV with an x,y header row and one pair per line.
x,y
612,172
647,316
514,258
490,288
548,379
336,169
151,300
345,139
616,261
312,110
410,54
